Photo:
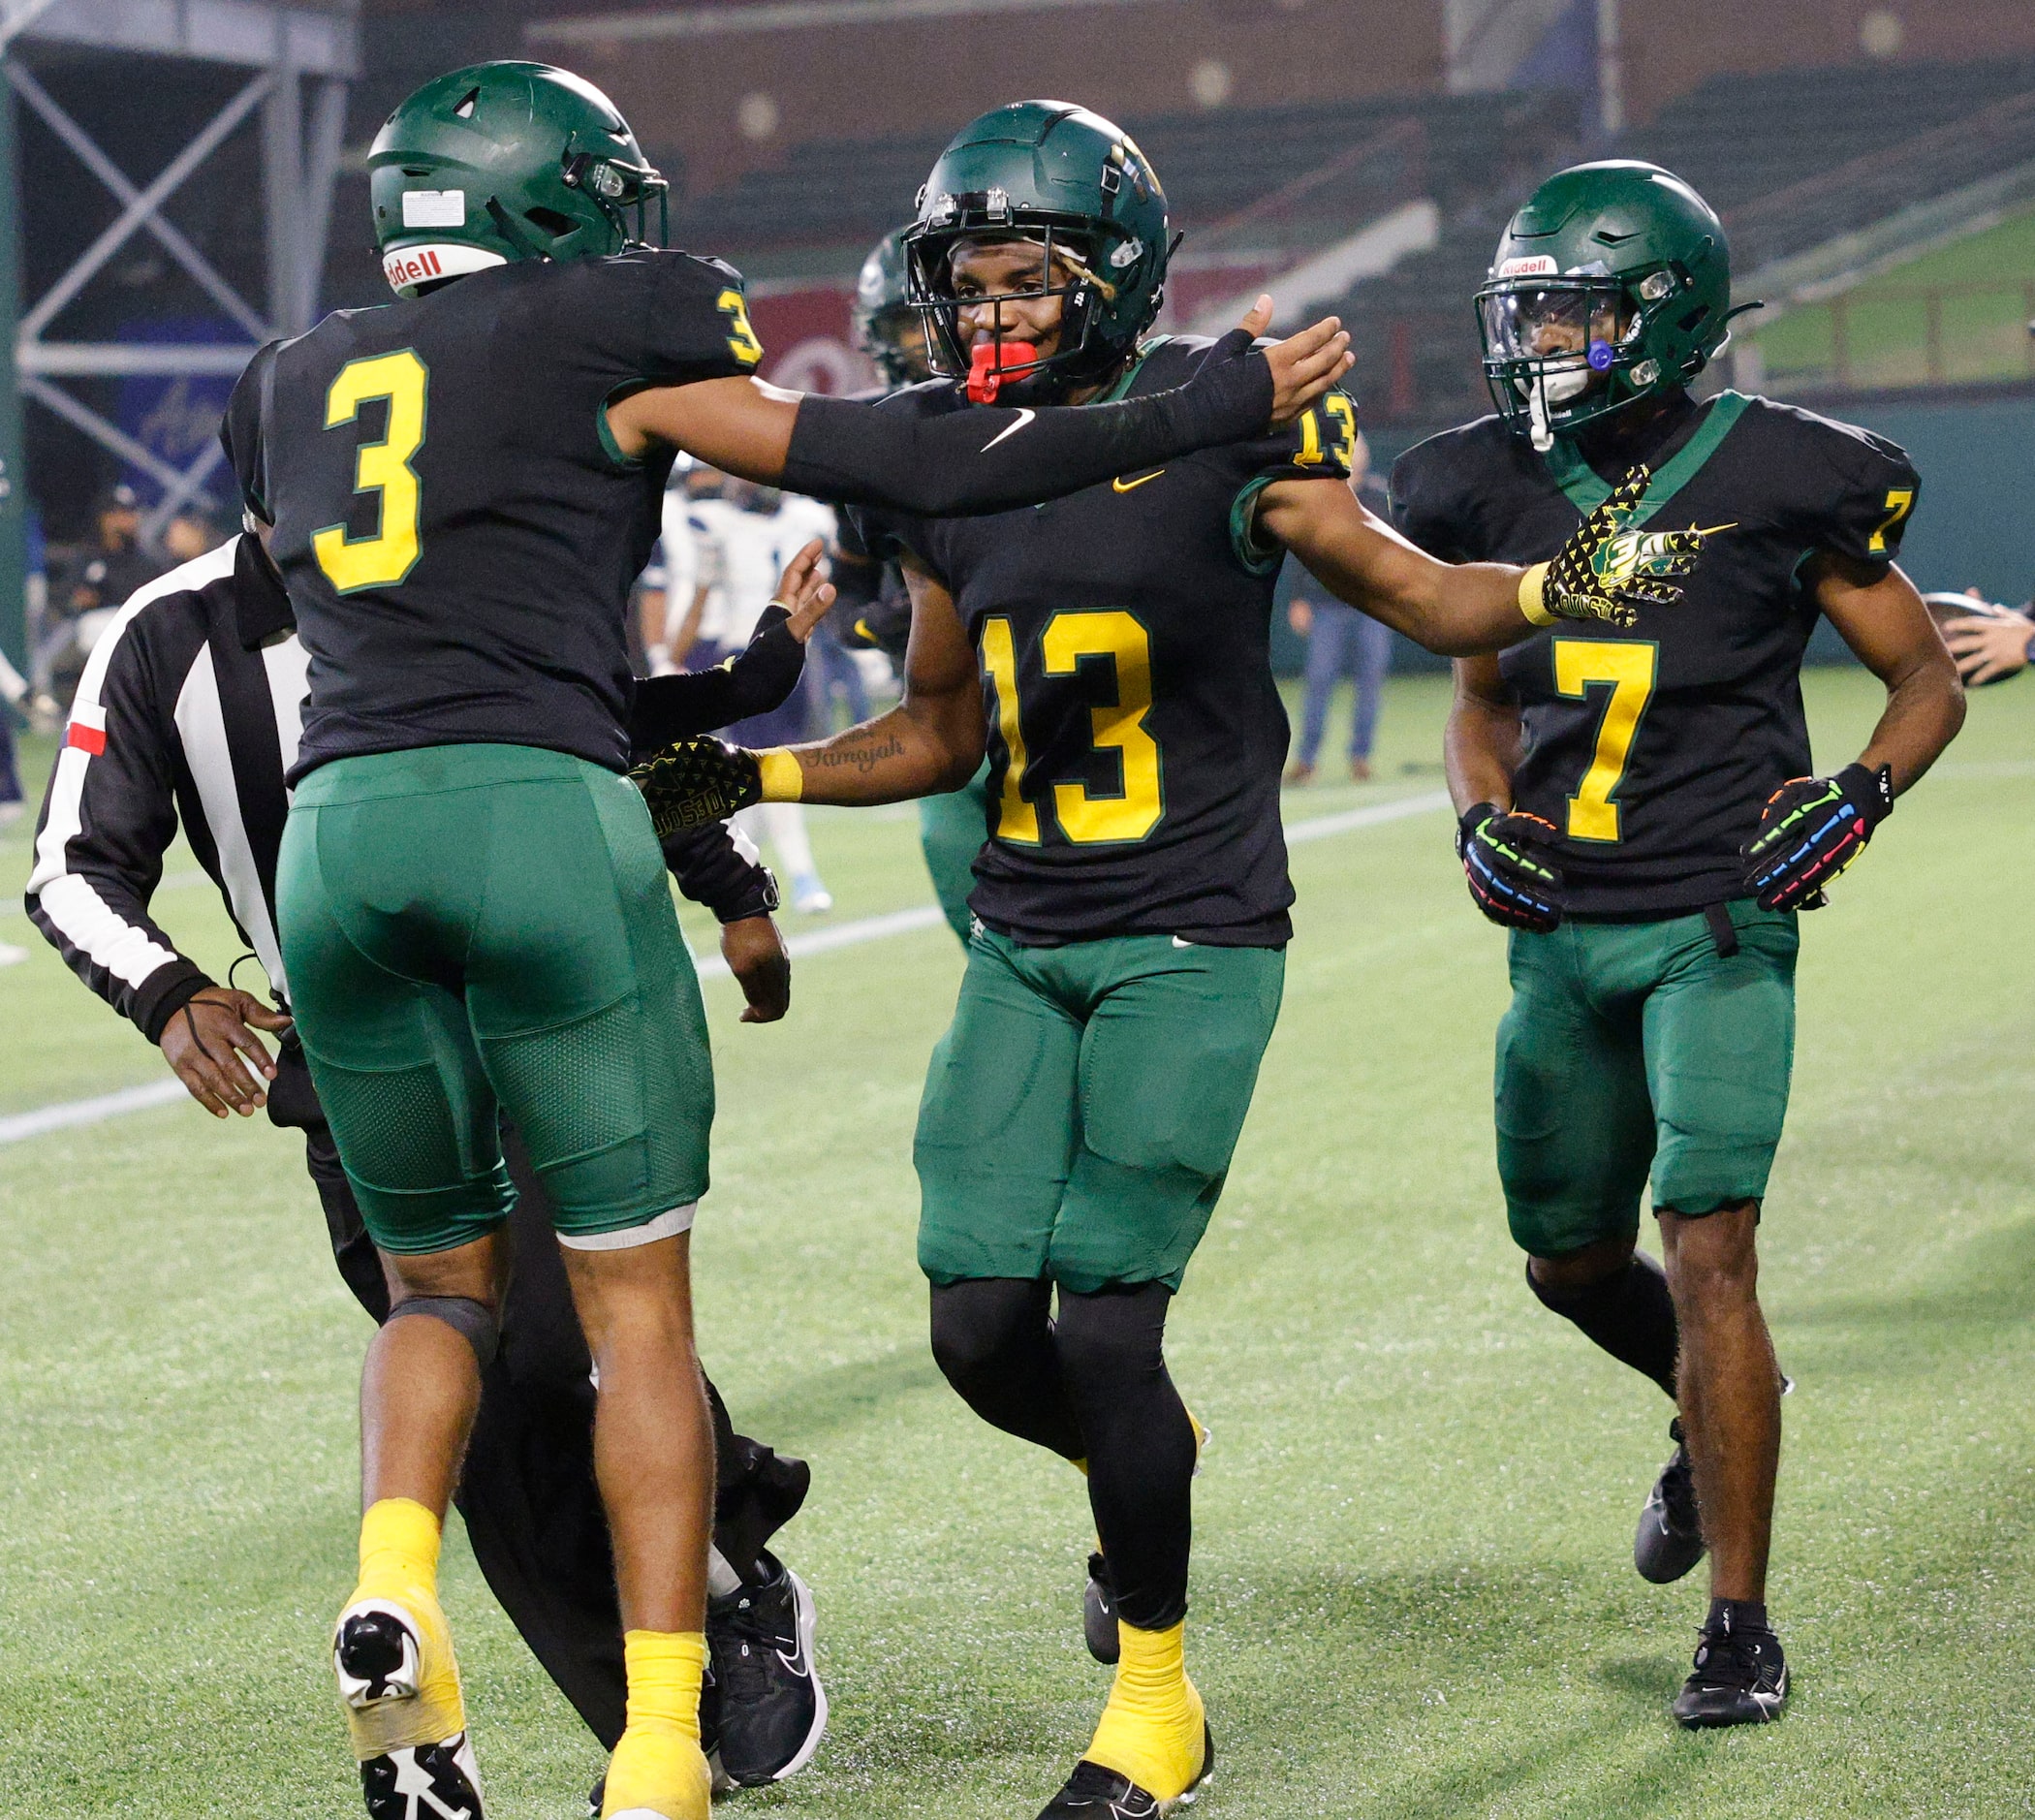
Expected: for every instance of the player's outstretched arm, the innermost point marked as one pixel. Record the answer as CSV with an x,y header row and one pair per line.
x,y
985,458
1603,571
930,742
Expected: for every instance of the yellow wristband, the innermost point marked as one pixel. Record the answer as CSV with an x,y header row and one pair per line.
x,y
1533,595
783,781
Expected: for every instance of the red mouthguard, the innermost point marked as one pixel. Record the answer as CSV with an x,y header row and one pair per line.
x,y
986,371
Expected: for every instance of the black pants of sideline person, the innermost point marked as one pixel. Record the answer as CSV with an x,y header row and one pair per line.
x,y
527,1492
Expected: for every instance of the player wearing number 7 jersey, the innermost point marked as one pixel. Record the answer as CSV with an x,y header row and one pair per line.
x,y
1110,651
1628,811
458,488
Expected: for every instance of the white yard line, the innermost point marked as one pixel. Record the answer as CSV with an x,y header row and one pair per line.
x,y
46,1119
90,1112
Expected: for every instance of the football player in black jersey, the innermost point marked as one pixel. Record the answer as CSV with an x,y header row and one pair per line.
x,y
1636,806
460,489
1109,652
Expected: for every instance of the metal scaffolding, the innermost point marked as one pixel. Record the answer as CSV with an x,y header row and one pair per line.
x,y
300,60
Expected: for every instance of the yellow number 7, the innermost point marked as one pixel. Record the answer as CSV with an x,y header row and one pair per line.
x,y
1900,501
1631,666
379,468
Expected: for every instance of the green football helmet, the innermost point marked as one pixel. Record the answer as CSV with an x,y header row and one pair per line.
x,y
882,317
1611,284
1079,187
500,162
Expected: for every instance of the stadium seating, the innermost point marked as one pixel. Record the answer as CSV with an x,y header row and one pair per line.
x,y
829,192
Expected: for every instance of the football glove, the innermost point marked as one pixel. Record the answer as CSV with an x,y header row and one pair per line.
x,y
1810,831
695,781
1607,571
1510,862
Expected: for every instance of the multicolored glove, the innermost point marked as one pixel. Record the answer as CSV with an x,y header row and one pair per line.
x,y
1607,571
1811,828
695,781
1510,864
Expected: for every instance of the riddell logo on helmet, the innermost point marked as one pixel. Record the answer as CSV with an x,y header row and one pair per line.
x,y
412,266
408,267
1534,265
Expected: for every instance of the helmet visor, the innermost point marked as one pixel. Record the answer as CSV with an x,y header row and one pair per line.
x,y
1556,323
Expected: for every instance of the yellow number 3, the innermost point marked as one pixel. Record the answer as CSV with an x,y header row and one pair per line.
x,y
742,338
379,468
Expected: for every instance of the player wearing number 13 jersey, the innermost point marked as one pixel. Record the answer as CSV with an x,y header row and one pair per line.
x,y
1637,806
458,489
1109,652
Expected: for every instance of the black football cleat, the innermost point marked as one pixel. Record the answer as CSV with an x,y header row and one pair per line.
x,y
1668,1540
1740,1677
423,1783
1099,1612
772,1708
1093,1793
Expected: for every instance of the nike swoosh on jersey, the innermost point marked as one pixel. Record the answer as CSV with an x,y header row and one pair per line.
x,y
1024,416
1122,485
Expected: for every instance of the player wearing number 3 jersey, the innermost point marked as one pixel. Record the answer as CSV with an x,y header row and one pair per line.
x,y
1636,807
1111,652
458,488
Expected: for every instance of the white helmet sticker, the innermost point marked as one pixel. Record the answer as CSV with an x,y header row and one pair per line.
x,y
408,267
1128,253
434,208
1536,266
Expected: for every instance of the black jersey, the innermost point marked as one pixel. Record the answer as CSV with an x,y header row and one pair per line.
x,y
1135,732
456,528
1654,749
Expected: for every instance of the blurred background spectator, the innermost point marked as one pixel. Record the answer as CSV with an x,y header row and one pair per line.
x,y
1340,641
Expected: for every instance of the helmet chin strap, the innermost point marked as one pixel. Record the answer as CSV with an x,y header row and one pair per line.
x,y
1538,433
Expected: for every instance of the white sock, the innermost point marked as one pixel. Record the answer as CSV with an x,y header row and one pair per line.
x,y
721,1579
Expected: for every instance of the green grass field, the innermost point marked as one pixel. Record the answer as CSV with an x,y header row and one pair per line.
x,y
1414,1593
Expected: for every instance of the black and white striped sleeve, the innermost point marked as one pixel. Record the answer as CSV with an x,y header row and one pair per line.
x,y
111,813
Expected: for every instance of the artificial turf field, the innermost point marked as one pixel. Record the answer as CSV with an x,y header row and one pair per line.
x,y
1413,1588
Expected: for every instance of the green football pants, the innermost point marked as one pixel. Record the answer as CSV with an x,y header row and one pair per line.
x,y
952,829
1636,1049
471,929
1080,1116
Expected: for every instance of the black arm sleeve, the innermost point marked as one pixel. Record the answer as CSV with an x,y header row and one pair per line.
x,y
753,682
107,820
713,868
990,458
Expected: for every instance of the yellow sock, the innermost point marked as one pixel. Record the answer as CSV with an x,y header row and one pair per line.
x,y
658,1772
1152,1728
399,1540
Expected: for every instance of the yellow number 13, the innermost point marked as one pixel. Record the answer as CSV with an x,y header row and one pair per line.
x,y
380,467
1631,667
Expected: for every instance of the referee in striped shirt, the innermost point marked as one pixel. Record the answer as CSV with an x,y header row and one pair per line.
x,y
189,710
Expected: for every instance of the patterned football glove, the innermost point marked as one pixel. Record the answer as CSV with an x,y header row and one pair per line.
x,y
1810,831
1509,861
1607,571
695,781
